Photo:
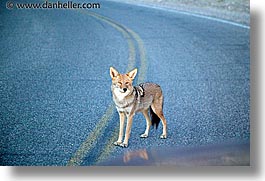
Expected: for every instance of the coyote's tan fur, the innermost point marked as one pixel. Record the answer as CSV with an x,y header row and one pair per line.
x,y
130,99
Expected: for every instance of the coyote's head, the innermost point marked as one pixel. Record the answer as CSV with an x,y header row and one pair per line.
x,y
122,83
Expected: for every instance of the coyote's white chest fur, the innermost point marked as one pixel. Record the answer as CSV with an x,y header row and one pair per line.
x,y
122,101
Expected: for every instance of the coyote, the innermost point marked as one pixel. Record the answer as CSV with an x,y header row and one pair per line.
x,y
130,99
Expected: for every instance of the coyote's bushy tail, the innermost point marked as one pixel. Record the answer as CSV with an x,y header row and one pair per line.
x,y
154,118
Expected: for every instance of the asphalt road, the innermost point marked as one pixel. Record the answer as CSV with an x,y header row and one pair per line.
x,y
56,104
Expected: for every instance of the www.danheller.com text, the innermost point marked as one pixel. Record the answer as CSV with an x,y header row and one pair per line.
x,y
52,5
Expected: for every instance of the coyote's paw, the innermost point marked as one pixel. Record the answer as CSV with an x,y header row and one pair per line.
x,y
117,143
123,145
144,135
163,136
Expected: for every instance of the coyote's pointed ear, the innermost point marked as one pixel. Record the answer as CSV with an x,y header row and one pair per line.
x,y
113,73
132,73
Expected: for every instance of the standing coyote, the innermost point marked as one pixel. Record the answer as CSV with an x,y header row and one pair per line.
x,y
130,99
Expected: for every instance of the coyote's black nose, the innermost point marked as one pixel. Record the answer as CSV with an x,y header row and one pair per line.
x,y
124,89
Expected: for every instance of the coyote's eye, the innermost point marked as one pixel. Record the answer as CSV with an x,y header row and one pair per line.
x,y
127,83
119,83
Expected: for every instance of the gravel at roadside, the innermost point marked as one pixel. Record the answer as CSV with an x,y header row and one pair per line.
x,y
237,11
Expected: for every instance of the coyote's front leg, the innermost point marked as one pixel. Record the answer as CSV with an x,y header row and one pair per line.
x,y
128,131
122,119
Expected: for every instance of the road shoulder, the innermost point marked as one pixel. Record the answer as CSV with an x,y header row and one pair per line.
x,y
237,11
